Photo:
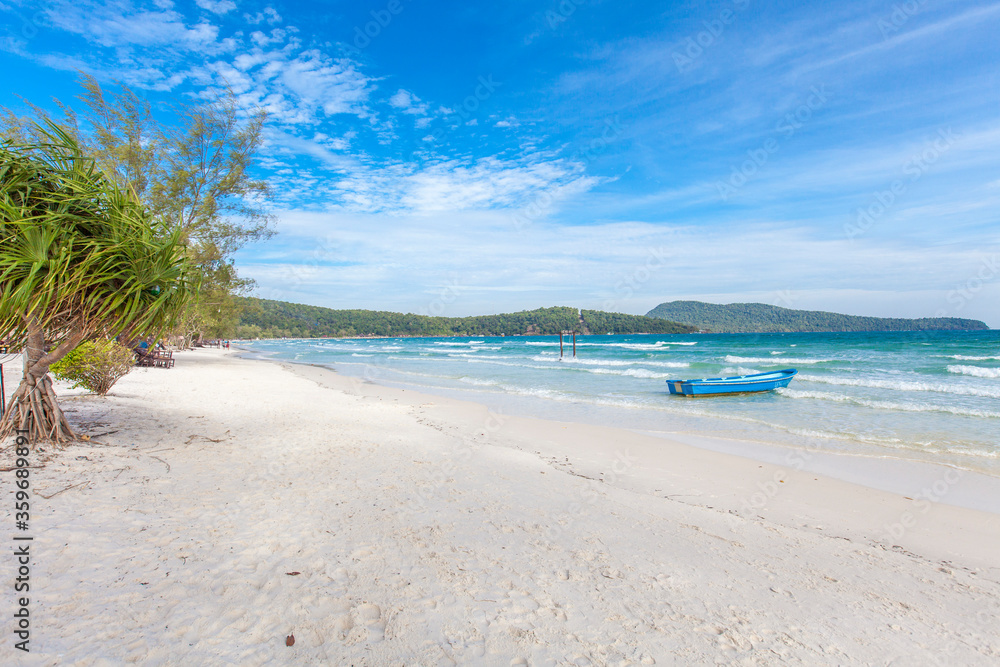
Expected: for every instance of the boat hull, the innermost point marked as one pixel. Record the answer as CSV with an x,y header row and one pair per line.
x,y
740,384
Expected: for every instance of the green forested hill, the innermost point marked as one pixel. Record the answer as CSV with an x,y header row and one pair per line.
x,y
762,318
263,318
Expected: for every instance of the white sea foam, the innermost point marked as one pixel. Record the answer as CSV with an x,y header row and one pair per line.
x,y
495,362
613,362
658,345
731,359
895,406
904,385
975,371
739,370
499,357
477,381
963,357
460,343
630,372
362,355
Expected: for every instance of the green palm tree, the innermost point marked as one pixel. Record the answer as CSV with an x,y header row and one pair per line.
x,y
80,257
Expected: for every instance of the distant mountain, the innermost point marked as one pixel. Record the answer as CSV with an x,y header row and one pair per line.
x,y
263,318
762,318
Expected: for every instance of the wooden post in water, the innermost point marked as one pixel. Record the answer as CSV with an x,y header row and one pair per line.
x,y
560,344
574,345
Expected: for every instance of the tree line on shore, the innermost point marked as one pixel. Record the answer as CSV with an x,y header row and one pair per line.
x,y
764,318
264,318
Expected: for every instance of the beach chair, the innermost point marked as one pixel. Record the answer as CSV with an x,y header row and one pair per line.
x,y
163,359
143,358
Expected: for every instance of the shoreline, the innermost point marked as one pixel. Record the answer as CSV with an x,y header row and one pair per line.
x,y
736,483
226,504
917,411
898,474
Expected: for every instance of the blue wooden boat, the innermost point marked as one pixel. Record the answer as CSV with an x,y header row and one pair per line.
x,y
739,384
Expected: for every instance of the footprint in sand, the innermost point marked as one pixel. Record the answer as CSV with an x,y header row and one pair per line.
x,y
370,616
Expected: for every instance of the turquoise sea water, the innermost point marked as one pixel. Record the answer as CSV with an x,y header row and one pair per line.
x,y
924,396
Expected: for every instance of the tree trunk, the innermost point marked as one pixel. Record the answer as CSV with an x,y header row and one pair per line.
x,y
34,408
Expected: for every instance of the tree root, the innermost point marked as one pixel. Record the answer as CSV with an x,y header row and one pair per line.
x,y
34,412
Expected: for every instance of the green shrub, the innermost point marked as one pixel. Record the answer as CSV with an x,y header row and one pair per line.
x,y
95,365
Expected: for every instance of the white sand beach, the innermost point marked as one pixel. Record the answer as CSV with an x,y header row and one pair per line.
x,y
227,504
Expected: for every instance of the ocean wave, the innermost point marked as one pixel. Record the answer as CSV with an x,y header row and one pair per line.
x,y
478,382
492,361
887,405
904,385
499,357
658,345
739,370
730,359
963,357
362,355
975,371
614,362
630,372
460,343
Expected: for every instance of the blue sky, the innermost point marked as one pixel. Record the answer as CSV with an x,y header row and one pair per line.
x,y
450,158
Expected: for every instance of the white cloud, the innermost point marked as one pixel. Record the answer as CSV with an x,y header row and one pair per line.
x,y
117,24
268,15
454,185
408,103
217,6
276,36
